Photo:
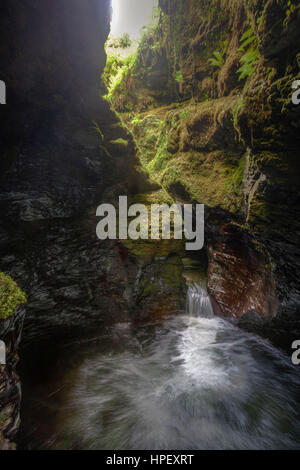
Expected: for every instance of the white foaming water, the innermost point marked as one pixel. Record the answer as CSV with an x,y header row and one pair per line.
x,y
195,382
198,302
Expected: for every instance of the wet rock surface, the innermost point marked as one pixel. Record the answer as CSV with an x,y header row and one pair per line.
x,y
10,387
239,276
58,164
251,321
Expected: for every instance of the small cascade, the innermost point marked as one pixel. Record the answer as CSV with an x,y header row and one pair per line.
x,y
194,382
198,302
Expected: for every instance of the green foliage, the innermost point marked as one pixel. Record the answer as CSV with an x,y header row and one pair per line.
x,y
120,70
260,20
156,12
114,64
236,110
146,131
119,142
218,60
150,39
136,121
179,76
123,42
219,55
96,126
249,45
150,36
162,155
115,72
184,115
235,181
290,8
11,296
149,289
249,60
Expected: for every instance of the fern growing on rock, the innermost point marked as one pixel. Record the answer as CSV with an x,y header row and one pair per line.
x,y
217,60
249,46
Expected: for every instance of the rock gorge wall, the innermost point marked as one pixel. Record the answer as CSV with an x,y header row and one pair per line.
x,y
63,152
221,129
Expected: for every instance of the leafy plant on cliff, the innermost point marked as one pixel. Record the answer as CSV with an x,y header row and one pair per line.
x,y
217,60
114,64
115,73
179,76
236,110
123,42
11,296
290,8
249,45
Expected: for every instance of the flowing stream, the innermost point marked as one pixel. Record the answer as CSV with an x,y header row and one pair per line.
x,y
194,382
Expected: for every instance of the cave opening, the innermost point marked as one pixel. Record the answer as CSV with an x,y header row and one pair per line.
x,y
130,16
130,24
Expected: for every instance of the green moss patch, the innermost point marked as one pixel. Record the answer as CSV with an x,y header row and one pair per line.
x,y
149,249
214,179
11,296
119,143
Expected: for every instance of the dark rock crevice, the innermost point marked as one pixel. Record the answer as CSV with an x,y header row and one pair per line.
x,y
58,162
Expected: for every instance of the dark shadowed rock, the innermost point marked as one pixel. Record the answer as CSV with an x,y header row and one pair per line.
x,y
252,322
10,387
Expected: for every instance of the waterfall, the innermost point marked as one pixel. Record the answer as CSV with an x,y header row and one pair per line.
x,y
191,382
198,302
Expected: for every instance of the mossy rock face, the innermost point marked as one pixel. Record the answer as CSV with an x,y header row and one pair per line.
x,y
146,250
197,154
11,296
213,179
161,288
146,130
194,151
161,291
152,197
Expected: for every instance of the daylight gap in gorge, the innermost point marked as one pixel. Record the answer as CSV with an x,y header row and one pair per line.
x,y
143,344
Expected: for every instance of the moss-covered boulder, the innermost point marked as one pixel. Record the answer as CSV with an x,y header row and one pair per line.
x,y
11,296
